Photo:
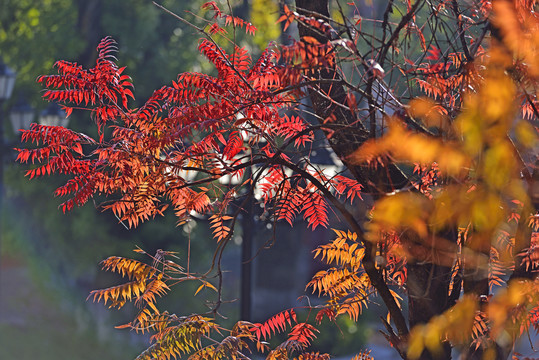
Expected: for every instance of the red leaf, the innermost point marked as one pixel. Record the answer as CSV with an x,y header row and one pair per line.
x,y
434,53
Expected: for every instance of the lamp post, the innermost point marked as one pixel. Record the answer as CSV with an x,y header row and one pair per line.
x,y
246,287
21,115
248,229
7,81
53,115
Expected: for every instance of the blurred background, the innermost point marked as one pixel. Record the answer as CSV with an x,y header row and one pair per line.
x,y
50,260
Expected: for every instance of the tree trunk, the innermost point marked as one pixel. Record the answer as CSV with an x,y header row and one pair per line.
x,y
351,134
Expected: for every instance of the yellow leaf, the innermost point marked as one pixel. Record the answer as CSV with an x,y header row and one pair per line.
x,y
433,337
486,211
403,210
200,288
526,134
124,326
499,165
405,146
427,109
152,305
416,343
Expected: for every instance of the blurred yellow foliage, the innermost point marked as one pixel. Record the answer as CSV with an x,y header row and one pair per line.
x,y
479,163
429,111
403,145
526,134
478,185
404,210
520,31
454,325
506,311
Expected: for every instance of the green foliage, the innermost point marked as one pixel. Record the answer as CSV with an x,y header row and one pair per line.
x,y
343,336
264,15
33,34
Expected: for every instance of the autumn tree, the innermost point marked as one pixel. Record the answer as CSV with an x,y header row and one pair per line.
x,y
430,108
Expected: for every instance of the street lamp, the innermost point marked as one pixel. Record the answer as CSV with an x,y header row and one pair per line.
x,y
7,81
53,115
21,116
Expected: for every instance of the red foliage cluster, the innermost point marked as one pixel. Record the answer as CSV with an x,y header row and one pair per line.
x,y
209,126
